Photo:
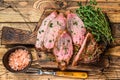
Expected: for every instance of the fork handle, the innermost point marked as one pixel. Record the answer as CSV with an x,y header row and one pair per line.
x,y
72,74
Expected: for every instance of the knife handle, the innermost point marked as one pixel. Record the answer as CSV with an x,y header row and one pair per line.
x,y
72,74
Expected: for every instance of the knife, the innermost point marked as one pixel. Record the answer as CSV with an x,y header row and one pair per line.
x,y
60,73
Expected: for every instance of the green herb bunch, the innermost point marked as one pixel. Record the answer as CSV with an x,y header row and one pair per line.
x,y
95,21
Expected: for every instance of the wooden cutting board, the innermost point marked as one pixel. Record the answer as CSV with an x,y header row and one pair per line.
x,y
17,36
47,61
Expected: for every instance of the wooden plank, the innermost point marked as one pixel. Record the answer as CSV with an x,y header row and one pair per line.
x,y
115,30
105,76
116,42
2,68
99,0
2,52
116,34
29,14
75,0
17,36
114,17
115,51
25,12
23,26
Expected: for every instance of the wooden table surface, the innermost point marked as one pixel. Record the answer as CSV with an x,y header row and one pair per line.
x,y
23,15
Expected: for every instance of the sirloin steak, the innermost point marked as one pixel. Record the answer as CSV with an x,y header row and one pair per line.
x,y
42,30
55,27
76,28
63,50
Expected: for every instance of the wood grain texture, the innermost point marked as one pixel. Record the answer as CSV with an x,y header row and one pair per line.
x,y
17,36
19,12
13,19
30,14
75,0
115,51
110,72
114,18
115,30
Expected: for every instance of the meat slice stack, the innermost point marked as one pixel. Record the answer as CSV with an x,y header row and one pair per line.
x,y
88,50
76,28
63,50
42,30
59,33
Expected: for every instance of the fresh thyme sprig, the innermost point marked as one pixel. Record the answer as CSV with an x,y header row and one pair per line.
x,y
95,21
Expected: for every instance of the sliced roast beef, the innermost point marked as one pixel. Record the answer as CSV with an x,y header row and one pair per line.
x,y
43,28
53,34
76,28
55,27
87,52
63,50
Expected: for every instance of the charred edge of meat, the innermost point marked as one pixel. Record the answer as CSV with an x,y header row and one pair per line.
x,y
95,51
62,65
77,56
40,49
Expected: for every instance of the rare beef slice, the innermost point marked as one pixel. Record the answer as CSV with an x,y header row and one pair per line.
x,y
42,30
76,28
55,27
63,50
